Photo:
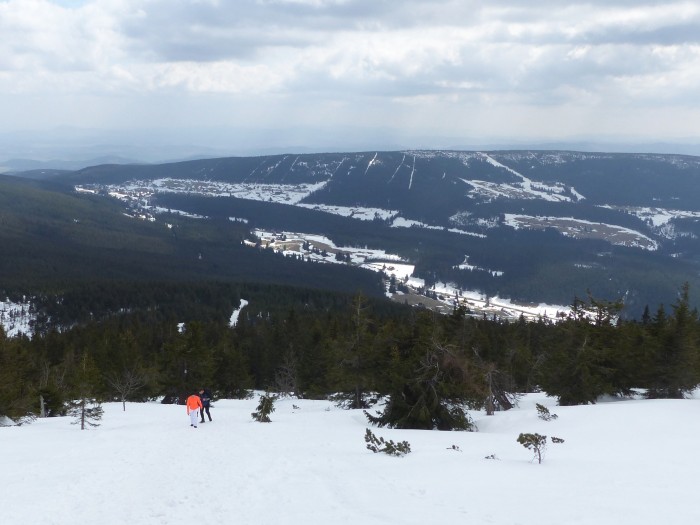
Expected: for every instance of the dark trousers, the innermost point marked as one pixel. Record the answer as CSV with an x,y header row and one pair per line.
x,y
206,408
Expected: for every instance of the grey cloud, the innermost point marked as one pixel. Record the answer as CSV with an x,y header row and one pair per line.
x,y
176,31
679,34
186,31
428,54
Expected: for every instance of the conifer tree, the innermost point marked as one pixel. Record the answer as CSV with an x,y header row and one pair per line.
x,y
354,362
265,408
577,367
676,350
431,381
85,408
231,368
17,384
187,360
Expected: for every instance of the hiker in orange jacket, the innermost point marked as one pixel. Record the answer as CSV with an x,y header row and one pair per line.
x,y
194,405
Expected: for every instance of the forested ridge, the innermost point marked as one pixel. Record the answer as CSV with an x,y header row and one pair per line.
x,y
433,368
54,240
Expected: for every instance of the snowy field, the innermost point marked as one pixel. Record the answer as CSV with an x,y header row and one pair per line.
x,y
623,462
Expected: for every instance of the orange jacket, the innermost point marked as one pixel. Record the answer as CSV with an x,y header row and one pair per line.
x,y
193,403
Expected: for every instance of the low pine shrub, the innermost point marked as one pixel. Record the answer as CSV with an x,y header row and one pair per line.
x,y
378,444
535,442
544,414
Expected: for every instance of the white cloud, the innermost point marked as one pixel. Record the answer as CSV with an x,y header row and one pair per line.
x,y
448,59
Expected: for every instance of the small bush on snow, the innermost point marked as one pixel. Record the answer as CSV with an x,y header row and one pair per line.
x,y
535,442
544,414
265,408
378,444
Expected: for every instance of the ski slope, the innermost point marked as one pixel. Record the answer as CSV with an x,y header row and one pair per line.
x,y
623,462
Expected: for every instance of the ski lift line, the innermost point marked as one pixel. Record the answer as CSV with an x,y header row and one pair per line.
x,y
293,163
371,162
255,169
338,166
398,168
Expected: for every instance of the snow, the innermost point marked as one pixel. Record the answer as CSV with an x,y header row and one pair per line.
x,y
362,213
291,243
159,209
398,270
237,312
501,307
464,232
399,167
579,228
657,216
528,189
402,222
141,190
466,266
16,318
372,162
622,462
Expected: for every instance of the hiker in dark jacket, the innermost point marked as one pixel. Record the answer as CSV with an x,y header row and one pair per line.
x,y
205,396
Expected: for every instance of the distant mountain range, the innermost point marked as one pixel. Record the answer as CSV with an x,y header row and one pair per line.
x,y
533,226
85,146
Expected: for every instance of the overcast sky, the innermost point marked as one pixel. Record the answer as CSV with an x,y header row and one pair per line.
x,y
408,71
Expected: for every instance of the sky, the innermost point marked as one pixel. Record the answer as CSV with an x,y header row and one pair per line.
x,y
311,73
622,462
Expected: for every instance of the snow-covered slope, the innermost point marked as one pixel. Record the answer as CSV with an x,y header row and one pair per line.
x,y
623,462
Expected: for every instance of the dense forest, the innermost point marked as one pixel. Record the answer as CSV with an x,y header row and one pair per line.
x,y
432,368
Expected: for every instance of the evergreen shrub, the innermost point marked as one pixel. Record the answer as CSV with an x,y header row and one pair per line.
x,y
265,408
379,444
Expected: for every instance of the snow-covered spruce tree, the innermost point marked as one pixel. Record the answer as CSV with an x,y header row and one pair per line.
x,y
265,408
85,408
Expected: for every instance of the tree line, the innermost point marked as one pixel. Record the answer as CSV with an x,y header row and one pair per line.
x,y
431,368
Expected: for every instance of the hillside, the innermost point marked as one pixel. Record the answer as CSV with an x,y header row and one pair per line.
x,y
53,238
532,226
310,465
